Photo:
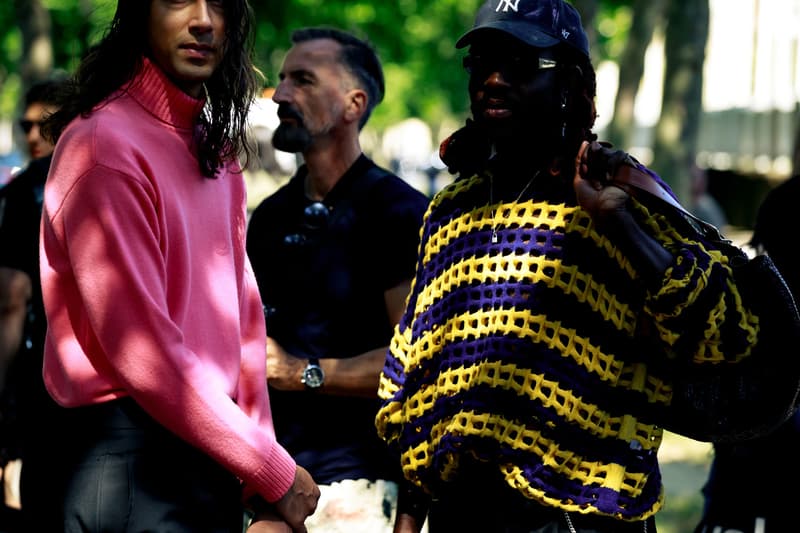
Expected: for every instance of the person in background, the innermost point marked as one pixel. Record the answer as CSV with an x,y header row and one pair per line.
x,y
41,100
703,205
740,492
518,390
29,419
333,251
16,283
156,334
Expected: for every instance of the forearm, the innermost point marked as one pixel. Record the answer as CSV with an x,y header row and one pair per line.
x,y
354,376
603,193
648,257
412,508
15,291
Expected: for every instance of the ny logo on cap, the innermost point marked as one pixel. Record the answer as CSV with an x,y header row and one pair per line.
x,y
506,4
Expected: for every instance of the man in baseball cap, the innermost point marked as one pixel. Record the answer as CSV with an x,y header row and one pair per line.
x,y
517,390
539,23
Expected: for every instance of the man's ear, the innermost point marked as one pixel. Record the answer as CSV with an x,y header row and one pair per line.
x,y
356,104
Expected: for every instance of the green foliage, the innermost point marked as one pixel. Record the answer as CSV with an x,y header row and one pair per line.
x,y
414,38
10,53
76,28
612,28
75,25
11,87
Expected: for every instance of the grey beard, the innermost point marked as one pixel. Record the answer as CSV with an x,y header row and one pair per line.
x,y
293,139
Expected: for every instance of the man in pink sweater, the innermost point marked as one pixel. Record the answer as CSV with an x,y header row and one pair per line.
x,y
156,337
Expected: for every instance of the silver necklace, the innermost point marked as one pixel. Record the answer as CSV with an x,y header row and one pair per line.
x,y
494,209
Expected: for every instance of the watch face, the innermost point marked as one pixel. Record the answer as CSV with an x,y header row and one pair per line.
x,y
313,376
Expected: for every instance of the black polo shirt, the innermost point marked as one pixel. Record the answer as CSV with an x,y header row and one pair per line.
x,y
322,280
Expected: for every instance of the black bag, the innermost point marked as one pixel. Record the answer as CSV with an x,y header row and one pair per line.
x,y
734,401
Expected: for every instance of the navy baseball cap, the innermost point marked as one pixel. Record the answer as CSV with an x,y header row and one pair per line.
x,y
539,23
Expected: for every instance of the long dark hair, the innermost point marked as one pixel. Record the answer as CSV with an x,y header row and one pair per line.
x,y
117,59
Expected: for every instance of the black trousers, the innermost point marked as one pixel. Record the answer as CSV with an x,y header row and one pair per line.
x,y
129,474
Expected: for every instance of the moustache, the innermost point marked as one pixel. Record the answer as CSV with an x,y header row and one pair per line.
x,y
285,111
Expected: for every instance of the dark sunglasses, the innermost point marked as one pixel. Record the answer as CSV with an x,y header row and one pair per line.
x,y
315,219
27,125
516,63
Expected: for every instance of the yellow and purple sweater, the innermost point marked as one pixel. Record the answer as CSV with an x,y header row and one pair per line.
x,y
527,353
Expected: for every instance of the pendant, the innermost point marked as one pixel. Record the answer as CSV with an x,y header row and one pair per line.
x,y
494,236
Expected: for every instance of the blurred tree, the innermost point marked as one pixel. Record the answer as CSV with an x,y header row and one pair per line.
x,y
42,37
588,10
36,61
647,14
675,142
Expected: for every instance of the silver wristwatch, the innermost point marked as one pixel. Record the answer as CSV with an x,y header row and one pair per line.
x,y
313,376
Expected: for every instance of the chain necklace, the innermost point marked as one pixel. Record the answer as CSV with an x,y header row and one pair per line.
x,y
494,209
573,530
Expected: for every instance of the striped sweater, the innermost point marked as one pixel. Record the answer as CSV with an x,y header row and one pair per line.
x,y
529,353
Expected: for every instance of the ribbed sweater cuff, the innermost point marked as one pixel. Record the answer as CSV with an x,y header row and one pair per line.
x,y
274,478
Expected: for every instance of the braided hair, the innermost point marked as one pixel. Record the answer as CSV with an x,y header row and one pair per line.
x,y
577,82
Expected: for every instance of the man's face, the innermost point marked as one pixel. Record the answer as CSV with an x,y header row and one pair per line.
x,y
312,95
35,113
512,88
187,40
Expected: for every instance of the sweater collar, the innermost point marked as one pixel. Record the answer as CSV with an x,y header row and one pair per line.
x,y
156,93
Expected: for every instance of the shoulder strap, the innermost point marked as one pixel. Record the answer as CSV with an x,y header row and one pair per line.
x,y
631,177
634,177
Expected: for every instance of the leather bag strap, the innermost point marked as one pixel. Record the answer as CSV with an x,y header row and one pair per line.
x,y
629,177
633,177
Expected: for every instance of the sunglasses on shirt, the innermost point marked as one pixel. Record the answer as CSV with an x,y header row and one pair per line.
x,y
315,219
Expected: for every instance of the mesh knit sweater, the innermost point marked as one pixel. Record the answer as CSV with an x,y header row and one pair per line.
x,y
526,353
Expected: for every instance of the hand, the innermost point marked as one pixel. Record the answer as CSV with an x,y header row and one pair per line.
x,y
268,522
605,201
299,502
283,369
595,192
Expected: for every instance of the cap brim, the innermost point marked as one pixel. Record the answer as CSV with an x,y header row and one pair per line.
x,y
527,33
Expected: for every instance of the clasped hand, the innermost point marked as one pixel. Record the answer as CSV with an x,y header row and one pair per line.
x,y
596,192
288,514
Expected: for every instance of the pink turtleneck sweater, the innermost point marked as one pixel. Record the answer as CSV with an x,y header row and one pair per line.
x,y
148,290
